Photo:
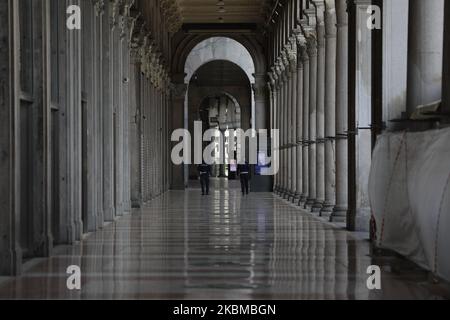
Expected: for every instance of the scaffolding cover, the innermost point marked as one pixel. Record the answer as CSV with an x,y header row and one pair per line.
x,y
410,197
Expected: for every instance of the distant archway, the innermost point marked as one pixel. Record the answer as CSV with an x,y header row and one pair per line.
x,y
219,48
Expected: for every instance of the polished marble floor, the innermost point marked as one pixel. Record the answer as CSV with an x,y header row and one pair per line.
x,y
223,246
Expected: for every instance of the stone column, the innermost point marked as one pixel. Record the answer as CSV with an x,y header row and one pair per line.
x,y
446,69
301,42
179,90
76,100
358,216
126,119
274,78
135,131
320,140
311,37
10,251
292,53
288,133
282,81
108,26
279,116
89,113
330,109
340,210
287,153
395,65
283,84
100,12
425,52
260,91
271,106
305,121
288,114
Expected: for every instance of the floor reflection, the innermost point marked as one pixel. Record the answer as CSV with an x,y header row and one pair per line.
x,y
223,246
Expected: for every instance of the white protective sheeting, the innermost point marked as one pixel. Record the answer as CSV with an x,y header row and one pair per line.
x,y
410,197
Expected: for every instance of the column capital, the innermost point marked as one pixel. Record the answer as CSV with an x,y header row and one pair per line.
x,y
272,80
291,50
341,13
114,12
330,20
308,27
99,6
320,22
172,13
259,90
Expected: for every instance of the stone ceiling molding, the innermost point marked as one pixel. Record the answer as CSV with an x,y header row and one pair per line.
x,y
143,48
172,14
235,11
114,12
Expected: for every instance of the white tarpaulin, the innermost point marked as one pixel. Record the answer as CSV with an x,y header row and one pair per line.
x,y
410,197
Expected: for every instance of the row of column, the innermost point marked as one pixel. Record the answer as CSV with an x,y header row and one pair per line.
x,y
322,97
82,118
306,99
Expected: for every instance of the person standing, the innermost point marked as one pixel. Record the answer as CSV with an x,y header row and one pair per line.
x,y
244,174
204,171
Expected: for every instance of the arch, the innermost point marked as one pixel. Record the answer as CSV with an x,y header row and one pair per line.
x,y
219,48
184,46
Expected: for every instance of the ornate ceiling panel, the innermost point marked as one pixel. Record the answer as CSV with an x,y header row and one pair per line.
x,y
226,11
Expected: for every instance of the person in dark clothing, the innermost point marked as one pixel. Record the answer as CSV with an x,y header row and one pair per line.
x,y
244,174
204,171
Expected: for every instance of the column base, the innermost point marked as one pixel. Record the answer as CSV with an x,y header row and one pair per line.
x,y
327,210
110,213
78,226
127,207
119,210
339,214
100,219
136,204
309,204
11,262
302,201
289,195
317,206
296,197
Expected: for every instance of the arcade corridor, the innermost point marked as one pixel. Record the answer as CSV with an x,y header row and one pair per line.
x,y
183,246
107,107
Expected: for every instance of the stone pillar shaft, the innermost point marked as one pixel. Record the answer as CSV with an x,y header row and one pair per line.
x,y
286,137
446,66
320,133
177,107
305,121
330,112
10,251
299,130
288,134
425,52
340,210
312,190
293,126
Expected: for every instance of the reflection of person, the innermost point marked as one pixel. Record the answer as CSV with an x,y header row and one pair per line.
x,y
204,171
244,173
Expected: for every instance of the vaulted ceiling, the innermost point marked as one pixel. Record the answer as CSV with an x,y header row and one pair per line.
x,y
226,11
